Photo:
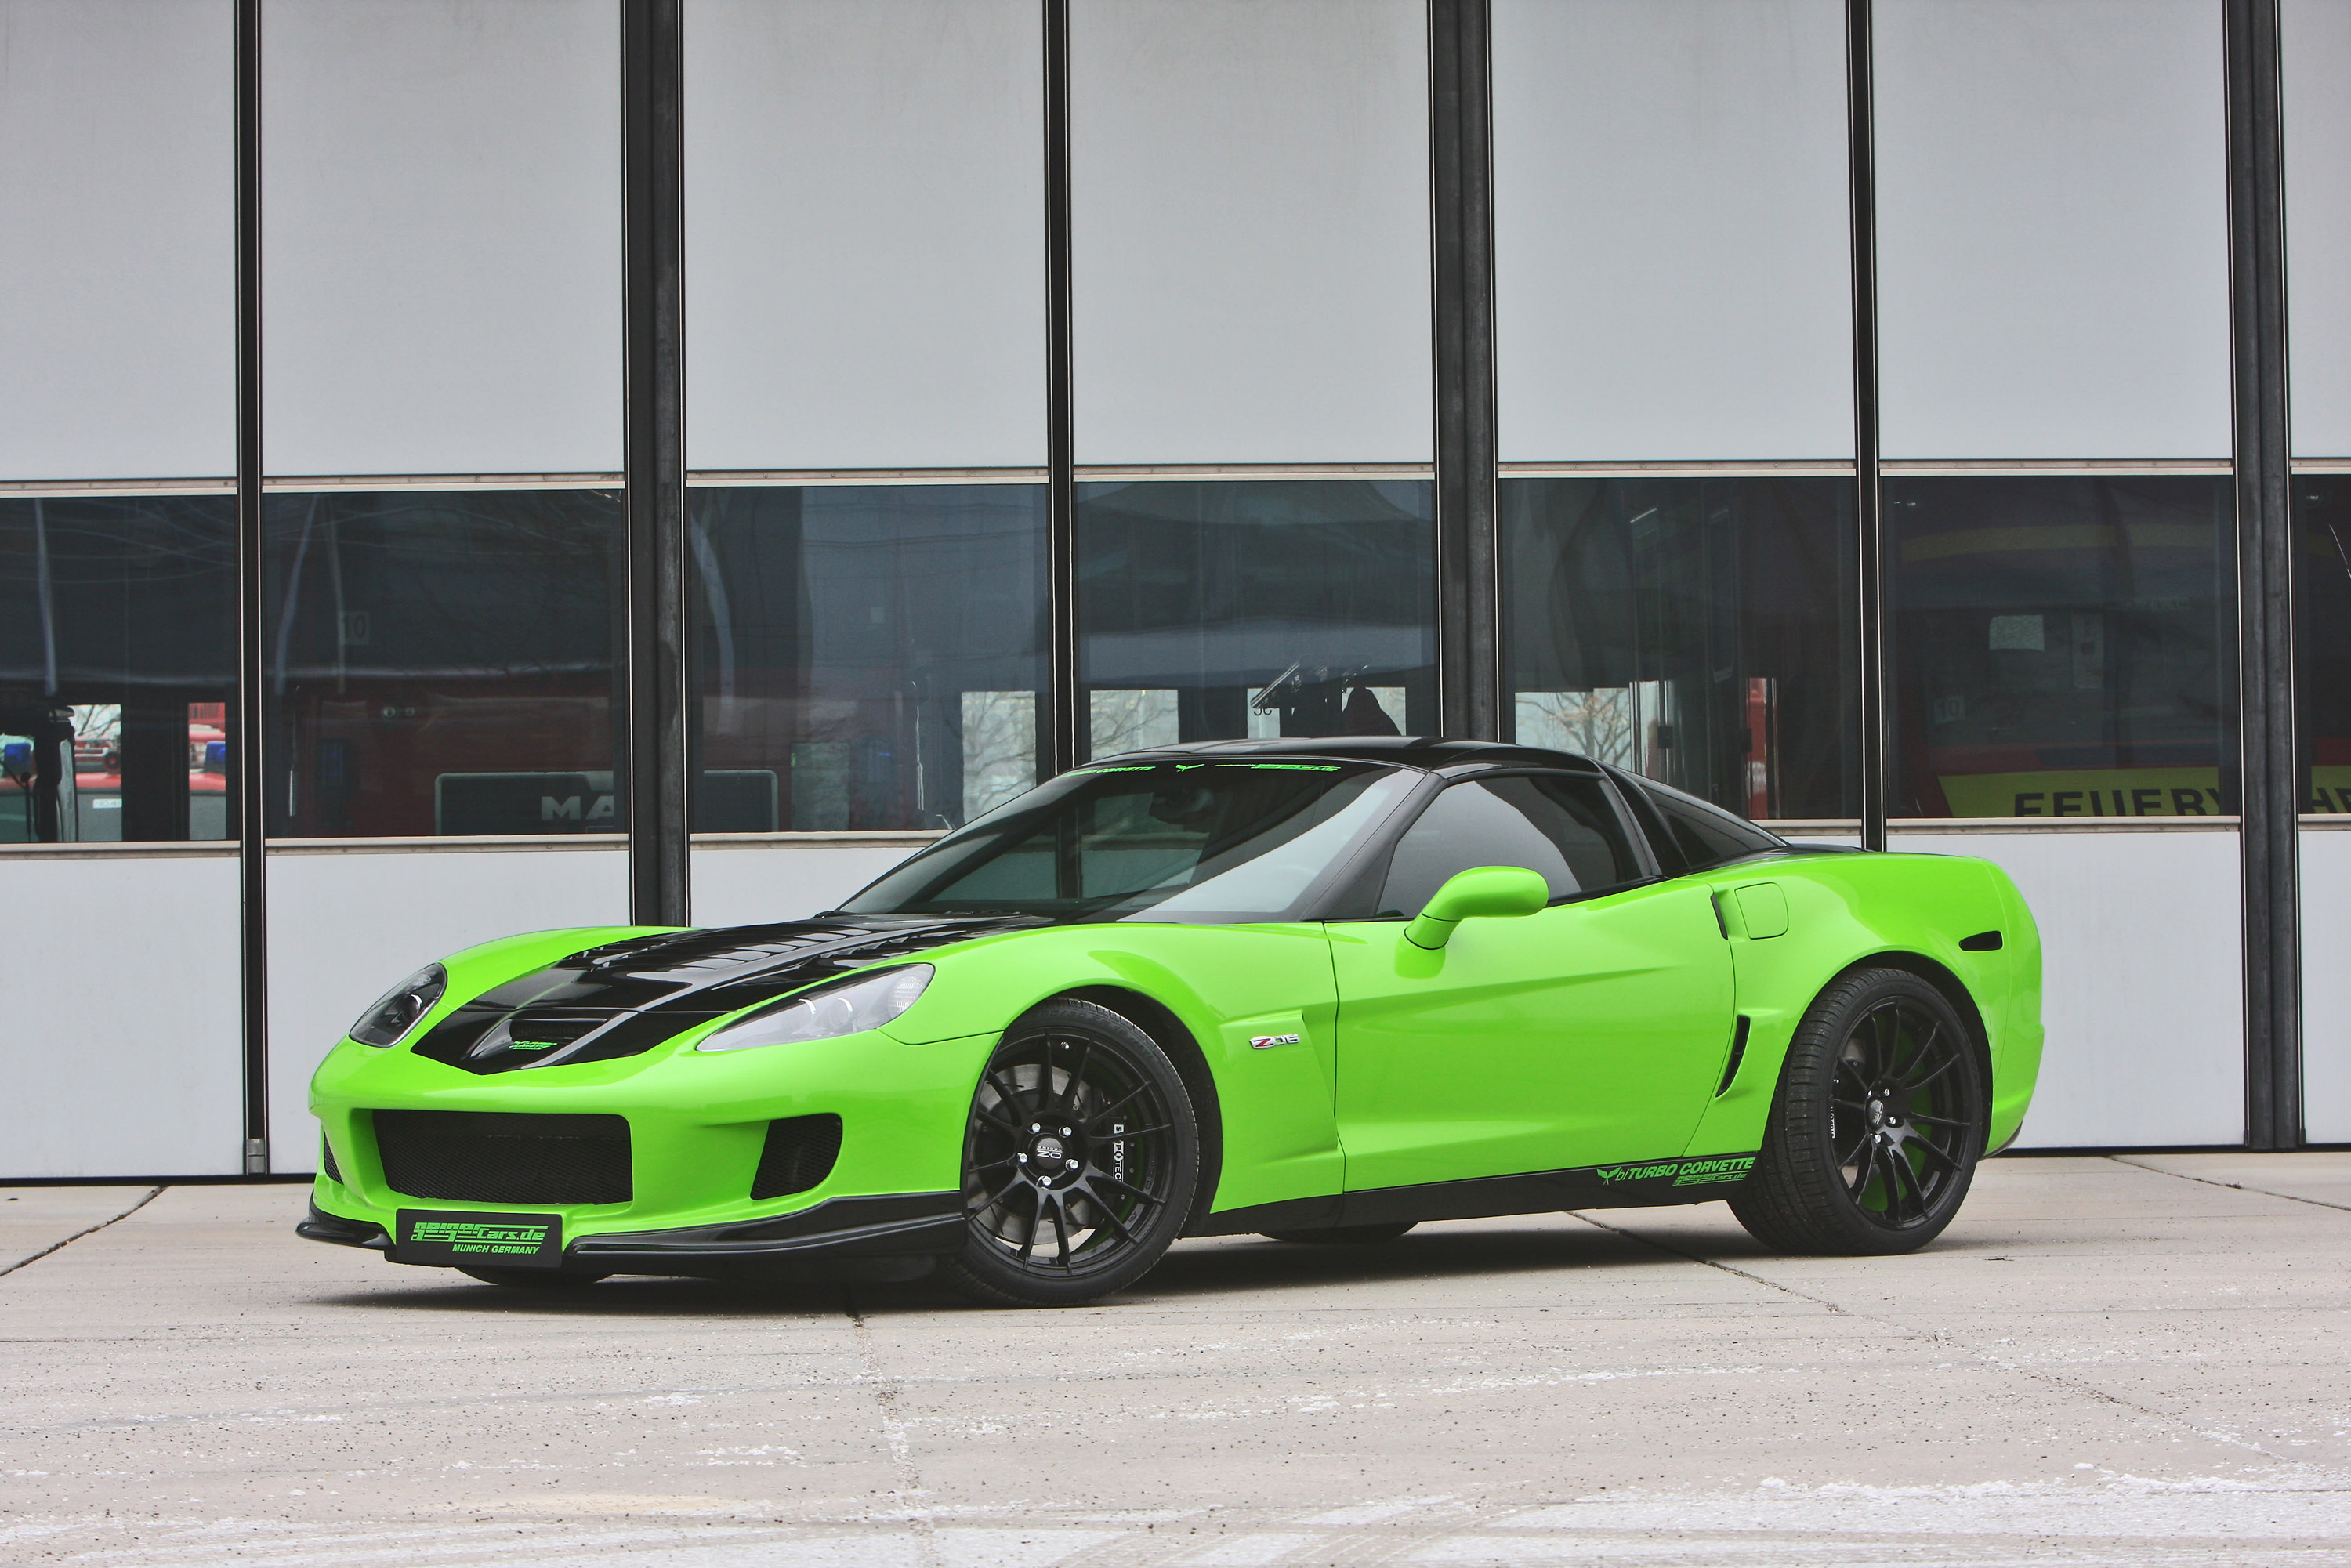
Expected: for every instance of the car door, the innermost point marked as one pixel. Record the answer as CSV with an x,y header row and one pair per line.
x,y
1589,1033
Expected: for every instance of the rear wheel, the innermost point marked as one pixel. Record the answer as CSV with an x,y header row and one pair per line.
x,y
1080,1159
1343,1235
1877,1124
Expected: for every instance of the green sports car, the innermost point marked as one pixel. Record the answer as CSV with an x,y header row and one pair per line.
x,y
1319,990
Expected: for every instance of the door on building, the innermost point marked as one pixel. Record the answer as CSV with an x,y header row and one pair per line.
x,y
1588,1033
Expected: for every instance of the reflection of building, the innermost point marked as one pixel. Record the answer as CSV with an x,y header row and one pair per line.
x,y
1326,471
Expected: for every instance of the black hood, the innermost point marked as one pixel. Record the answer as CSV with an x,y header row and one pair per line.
x,y
627,997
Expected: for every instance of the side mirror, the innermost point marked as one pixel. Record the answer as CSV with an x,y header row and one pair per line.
x,y
1486,890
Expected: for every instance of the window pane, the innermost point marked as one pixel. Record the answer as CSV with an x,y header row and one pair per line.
x,y
1702,835
1210,841
867,656
117,663
2064,647
1701,631
442,662
1218,610
2322,638
1565,829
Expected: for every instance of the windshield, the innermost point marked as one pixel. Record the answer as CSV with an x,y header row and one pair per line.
x,y
1164,841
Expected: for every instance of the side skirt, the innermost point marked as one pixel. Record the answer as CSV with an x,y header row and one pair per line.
x,y
1647,1184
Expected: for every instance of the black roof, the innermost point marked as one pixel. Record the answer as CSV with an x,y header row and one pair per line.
x,y
1404,750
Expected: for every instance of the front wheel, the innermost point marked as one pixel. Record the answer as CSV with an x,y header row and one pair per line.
x,y
1876,1126
1079,1160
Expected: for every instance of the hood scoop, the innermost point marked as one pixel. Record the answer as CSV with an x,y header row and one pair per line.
x,y
626,997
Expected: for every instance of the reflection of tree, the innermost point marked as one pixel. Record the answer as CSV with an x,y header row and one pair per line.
x,y
1602,725
999,748
1132,720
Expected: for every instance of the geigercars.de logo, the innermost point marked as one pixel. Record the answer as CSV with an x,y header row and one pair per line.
x,y
471,1236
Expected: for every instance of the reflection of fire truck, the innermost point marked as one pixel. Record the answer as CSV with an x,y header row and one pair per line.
x,y
2060,647
89,809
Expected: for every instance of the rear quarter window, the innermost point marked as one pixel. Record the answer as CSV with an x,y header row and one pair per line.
x,y
1703,834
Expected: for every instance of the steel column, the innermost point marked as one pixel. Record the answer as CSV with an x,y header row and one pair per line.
x,y
1876,738
249,729
2270,798
1462,202
1063,740
655,748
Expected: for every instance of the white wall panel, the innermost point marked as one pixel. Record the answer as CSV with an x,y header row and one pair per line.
x,y
1250,246
2317,62
2142,964
1671,256
118,247
864,239
746,884
345,928
121,1052
2326,986
2052,258
441,208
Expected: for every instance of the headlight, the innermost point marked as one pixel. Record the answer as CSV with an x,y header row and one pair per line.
x,y
396,1012
840,1009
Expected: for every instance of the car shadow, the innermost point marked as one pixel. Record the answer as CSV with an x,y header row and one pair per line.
x,y
1192,1271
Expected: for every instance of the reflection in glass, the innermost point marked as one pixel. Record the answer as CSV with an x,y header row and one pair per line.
x,y
117,668
867,656
2322,640
1213,841
2064,647
1699,632
442,662
1218,609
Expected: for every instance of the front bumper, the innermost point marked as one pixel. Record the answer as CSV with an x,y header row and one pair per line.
x,y
697,1124
857,1232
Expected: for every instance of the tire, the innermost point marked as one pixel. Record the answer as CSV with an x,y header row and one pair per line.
x,y
1081,1159
1876,1126
533,1278
1343,1235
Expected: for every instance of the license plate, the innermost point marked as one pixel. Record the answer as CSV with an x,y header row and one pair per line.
x,y
508,1240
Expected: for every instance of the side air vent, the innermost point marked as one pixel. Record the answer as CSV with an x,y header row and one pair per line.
x,y
1981,942
505,1156
799,1155
327,1157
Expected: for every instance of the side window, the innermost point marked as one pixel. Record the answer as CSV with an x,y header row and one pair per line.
x,y
1705,835
1562,827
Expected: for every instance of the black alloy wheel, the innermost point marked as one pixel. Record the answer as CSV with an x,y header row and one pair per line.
x,y
1079,1160
1878,1123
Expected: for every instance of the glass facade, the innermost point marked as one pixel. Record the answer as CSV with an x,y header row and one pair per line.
x,y
1697,630
2064,647
118,668
1218,609
442,662
865,656
2321,644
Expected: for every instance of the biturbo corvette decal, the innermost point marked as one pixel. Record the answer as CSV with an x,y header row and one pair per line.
x,y
1319,990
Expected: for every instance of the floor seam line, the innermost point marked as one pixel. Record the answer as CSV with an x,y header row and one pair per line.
x,y
1708,1262
2230,1186
152,1194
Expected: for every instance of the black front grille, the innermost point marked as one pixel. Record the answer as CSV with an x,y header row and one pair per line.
x,y
504,1157
327,1152
799,1155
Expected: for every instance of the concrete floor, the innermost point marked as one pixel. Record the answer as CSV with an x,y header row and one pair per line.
x,y
2106,1361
